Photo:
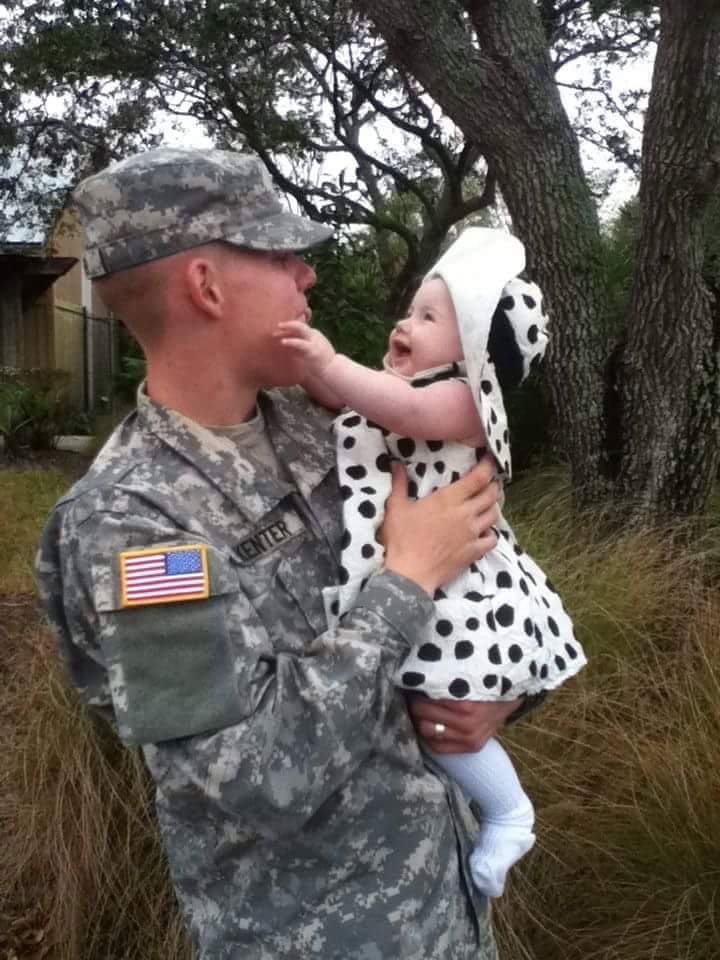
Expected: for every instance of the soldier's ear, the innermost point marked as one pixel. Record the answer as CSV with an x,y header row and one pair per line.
x,y
202,281
504,351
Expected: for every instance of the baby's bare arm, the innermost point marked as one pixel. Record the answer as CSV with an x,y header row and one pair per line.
x,y
440,411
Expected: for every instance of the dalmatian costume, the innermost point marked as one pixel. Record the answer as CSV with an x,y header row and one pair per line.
x,y
499,629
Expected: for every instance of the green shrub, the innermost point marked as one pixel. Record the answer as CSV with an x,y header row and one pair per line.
x,y
132,368
348,298
34,410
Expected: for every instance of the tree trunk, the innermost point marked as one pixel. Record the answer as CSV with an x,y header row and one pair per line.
x,y
669,374
503,96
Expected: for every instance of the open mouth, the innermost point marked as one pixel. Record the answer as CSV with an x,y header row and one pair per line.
x,y
399,350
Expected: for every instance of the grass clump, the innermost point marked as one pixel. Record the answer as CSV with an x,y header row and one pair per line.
x,y
623,764
25,498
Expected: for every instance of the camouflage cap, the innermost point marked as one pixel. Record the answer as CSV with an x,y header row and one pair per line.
x,y
164,201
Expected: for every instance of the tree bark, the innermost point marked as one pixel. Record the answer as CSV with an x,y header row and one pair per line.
x,y
501,92
670,371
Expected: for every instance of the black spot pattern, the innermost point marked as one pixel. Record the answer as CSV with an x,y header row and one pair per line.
x,y
430,652
406,446
459,688
505,615
412,679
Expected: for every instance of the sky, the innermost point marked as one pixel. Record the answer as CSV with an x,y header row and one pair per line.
x,y
637,75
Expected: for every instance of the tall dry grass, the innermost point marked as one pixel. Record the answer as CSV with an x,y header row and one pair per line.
x,y
624,766
82,875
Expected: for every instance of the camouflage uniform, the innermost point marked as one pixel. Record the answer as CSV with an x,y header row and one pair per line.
x,y
294,804
297,812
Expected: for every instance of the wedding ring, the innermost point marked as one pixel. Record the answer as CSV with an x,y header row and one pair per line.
x,y
439,729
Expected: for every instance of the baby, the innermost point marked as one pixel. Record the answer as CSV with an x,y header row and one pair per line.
x,y
500,630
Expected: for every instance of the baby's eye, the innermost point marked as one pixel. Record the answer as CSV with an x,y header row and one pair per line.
x,y
429,316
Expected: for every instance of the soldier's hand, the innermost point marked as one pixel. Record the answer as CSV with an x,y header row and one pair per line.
x,y
432,540
458,726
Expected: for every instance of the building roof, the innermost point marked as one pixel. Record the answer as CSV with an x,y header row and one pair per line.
x,y
27,261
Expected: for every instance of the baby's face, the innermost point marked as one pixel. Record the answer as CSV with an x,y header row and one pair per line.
x,y
428,336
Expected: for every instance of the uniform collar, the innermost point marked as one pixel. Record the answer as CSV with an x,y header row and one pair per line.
x,y
299,433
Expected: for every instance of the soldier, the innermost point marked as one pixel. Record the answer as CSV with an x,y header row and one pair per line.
x,y
183,578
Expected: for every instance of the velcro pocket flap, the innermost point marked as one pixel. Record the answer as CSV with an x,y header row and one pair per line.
x,y
171,664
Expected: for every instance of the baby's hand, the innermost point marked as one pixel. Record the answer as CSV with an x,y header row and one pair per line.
x,y
309,343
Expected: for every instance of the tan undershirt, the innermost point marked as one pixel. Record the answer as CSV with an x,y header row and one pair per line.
x,y
251,437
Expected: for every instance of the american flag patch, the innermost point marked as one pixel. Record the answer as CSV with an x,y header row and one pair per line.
x,y
163,575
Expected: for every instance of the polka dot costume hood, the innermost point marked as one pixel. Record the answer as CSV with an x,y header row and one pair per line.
x,y
501,323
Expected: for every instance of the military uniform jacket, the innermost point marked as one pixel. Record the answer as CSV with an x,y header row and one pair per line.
x,y
298,814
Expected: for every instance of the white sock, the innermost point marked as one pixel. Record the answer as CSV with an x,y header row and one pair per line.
x,y
506,832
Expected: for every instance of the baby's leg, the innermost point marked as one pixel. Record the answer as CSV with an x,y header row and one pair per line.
x,y
506,832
